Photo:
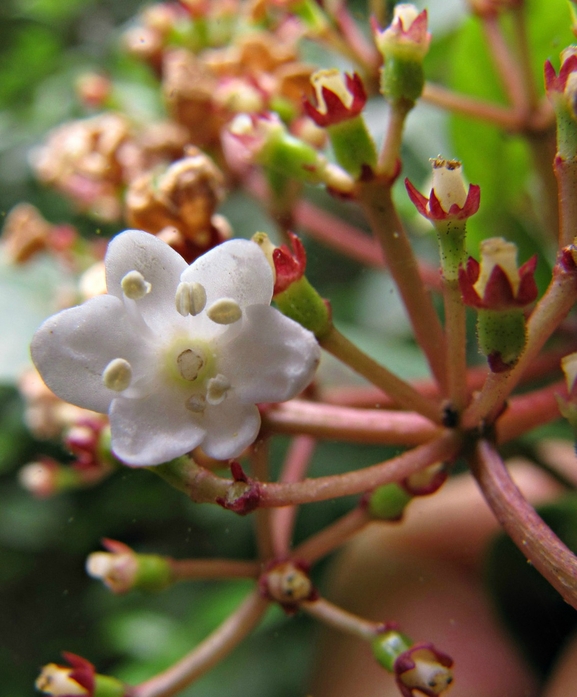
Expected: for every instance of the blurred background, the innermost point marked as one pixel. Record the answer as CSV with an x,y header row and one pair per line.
x,y
47,602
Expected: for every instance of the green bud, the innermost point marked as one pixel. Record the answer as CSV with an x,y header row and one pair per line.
x,y
388,502
302,303
388,646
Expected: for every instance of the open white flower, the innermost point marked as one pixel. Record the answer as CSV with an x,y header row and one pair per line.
x,y
177,355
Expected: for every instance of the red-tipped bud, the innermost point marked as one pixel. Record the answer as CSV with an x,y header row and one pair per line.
x,y
68,681
448,200
407,35
423,669
337,99
496,283
558,83
289,266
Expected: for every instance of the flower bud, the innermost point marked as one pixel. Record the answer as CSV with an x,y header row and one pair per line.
x,y
339,105
288,583
78,678
403,45
417,667
562,92
388,502
293,294
46,477
264,139
499,289
121,569
448,207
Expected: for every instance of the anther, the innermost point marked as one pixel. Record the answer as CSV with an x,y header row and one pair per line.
x,y
217,388
117,375
190,298
224,311
196,403
134,286
190,363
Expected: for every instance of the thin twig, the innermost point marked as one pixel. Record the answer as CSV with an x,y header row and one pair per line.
x,y
208,653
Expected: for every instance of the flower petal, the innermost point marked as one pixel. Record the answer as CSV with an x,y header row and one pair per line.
x,y
230,427
236,269
272,358
159,264
71,350
153,430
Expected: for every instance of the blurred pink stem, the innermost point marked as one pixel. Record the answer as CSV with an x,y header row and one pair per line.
x,y
295,466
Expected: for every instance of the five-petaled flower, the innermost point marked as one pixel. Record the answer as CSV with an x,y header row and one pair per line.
x,y
177,355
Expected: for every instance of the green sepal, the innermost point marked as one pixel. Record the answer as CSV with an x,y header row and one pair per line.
x,y
502,332
353,145
451,237
388,502
107,686
154,573
388,646
301,302
402,80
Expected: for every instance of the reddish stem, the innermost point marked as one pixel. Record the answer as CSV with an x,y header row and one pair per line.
x,y
542,548
322,488
331,537
351,425
528,411
295,466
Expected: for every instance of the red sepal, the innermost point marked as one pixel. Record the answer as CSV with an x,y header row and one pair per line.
x,y
406,662
336,110
248,500
498,291
289,266
82,672
431,208
557,83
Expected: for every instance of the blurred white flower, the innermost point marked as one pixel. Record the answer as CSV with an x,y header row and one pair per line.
x,y
177,355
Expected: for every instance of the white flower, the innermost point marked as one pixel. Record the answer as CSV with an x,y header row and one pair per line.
x,y
177,355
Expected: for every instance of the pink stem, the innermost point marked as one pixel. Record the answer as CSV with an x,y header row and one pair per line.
x,y
542,548
295,466
208,653
529,411
351,425
190,569
333,536
358,481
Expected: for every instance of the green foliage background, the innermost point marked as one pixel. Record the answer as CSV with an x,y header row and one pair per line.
x,y
47,602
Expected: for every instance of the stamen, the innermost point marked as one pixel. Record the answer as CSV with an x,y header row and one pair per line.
x,y
217,388
190,298
117,375
190,363
196,403
134,286
224,311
